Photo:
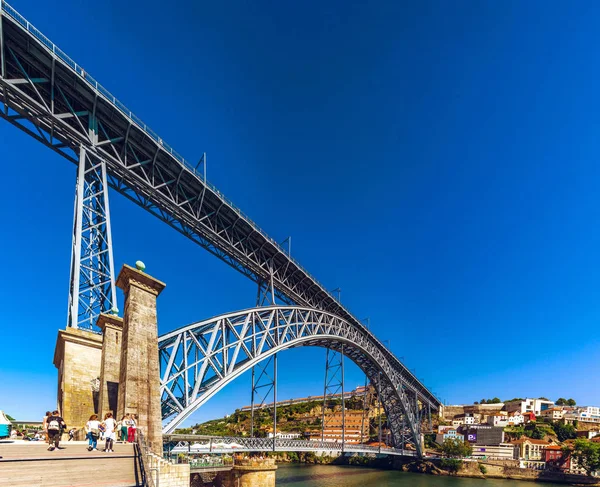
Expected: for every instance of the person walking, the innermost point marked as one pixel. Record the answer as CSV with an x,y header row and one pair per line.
x,y
109,432
124,427
131,429
92,429
55,424
45,425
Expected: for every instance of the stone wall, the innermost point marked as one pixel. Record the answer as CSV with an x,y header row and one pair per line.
x,y
112,331
77,357
169,474
249,472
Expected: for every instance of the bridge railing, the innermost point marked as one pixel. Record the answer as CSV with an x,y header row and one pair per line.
x,y
230,445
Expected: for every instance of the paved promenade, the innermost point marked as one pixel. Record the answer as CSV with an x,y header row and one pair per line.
x,y
30,464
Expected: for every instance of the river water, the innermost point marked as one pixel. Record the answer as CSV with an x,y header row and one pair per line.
x,y
333,476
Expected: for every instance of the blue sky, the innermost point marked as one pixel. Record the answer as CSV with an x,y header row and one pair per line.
x,y
436,161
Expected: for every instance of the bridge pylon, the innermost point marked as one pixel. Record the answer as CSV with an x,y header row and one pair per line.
x,y
92,286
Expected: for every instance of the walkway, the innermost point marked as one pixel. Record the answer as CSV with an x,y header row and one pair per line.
x,y
28,464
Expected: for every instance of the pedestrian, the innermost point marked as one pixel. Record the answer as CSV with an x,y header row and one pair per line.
x,y
45,425
72,433
131,429
55,424
109,432
92,429
124,427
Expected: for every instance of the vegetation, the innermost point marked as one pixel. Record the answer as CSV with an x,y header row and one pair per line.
x,y
451,464
455,448
587,455
564,432
538,431
494,400
482,468
514,432
561,401
515,399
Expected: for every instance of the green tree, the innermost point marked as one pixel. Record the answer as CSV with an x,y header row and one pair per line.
x,y
543,398
571,402
10,418
495,400
587,455
476,402
456,448
561,401
564,432
483,401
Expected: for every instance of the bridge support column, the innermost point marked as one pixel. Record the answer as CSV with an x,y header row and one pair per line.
x,y
250,472
77,358
110,367
139,378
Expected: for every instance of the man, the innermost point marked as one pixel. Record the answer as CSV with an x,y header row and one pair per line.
x,y
55,426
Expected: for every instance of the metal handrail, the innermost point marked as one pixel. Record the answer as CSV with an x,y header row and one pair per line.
x,y
145,454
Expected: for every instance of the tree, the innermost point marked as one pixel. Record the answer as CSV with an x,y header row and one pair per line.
x,y
561,401
483,401
476,402
495,400
543,398
587,455
564,432
9,417
456,448
571,402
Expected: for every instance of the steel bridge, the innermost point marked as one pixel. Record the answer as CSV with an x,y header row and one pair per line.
x,y
53,99
223,445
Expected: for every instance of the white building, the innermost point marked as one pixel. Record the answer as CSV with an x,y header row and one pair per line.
x,y
535,406
515,419
553,413
498,420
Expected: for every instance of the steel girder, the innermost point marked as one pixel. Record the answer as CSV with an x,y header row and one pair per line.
x,y
229,444
200,359
50,97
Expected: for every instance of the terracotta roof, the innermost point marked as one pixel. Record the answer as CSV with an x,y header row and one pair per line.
x,y
553,447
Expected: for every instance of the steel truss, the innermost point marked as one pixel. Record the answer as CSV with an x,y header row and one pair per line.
x,y
230,445
50,97
200,359
92,287
333,385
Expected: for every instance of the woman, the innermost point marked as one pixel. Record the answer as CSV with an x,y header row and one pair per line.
x,y
109,432
45,425
131,429
92,429
124,426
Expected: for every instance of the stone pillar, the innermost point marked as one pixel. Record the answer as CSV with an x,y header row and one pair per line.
x,y
139,378
77,357
249,472
110,368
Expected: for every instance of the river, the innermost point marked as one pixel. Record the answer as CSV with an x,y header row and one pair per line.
x,y
333,476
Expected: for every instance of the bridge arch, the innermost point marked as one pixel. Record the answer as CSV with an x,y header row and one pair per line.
x,y
202,358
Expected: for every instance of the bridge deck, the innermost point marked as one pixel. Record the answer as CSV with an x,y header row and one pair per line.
x,y
30,464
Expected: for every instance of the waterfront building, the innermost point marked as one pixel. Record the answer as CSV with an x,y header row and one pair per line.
x,y
450,434
535,406
483,434
356,431
556,459
503,451
530,449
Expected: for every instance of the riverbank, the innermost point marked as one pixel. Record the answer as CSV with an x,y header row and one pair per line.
x,y
453,468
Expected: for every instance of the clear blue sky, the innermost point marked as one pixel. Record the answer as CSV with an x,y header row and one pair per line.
x,y
436,160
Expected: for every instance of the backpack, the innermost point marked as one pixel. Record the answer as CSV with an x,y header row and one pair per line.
x,y
95,432
53,425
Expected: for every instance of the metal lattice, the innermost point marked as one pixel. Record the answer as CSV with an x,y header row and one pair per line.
x,y
200,359
50,97
92,286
